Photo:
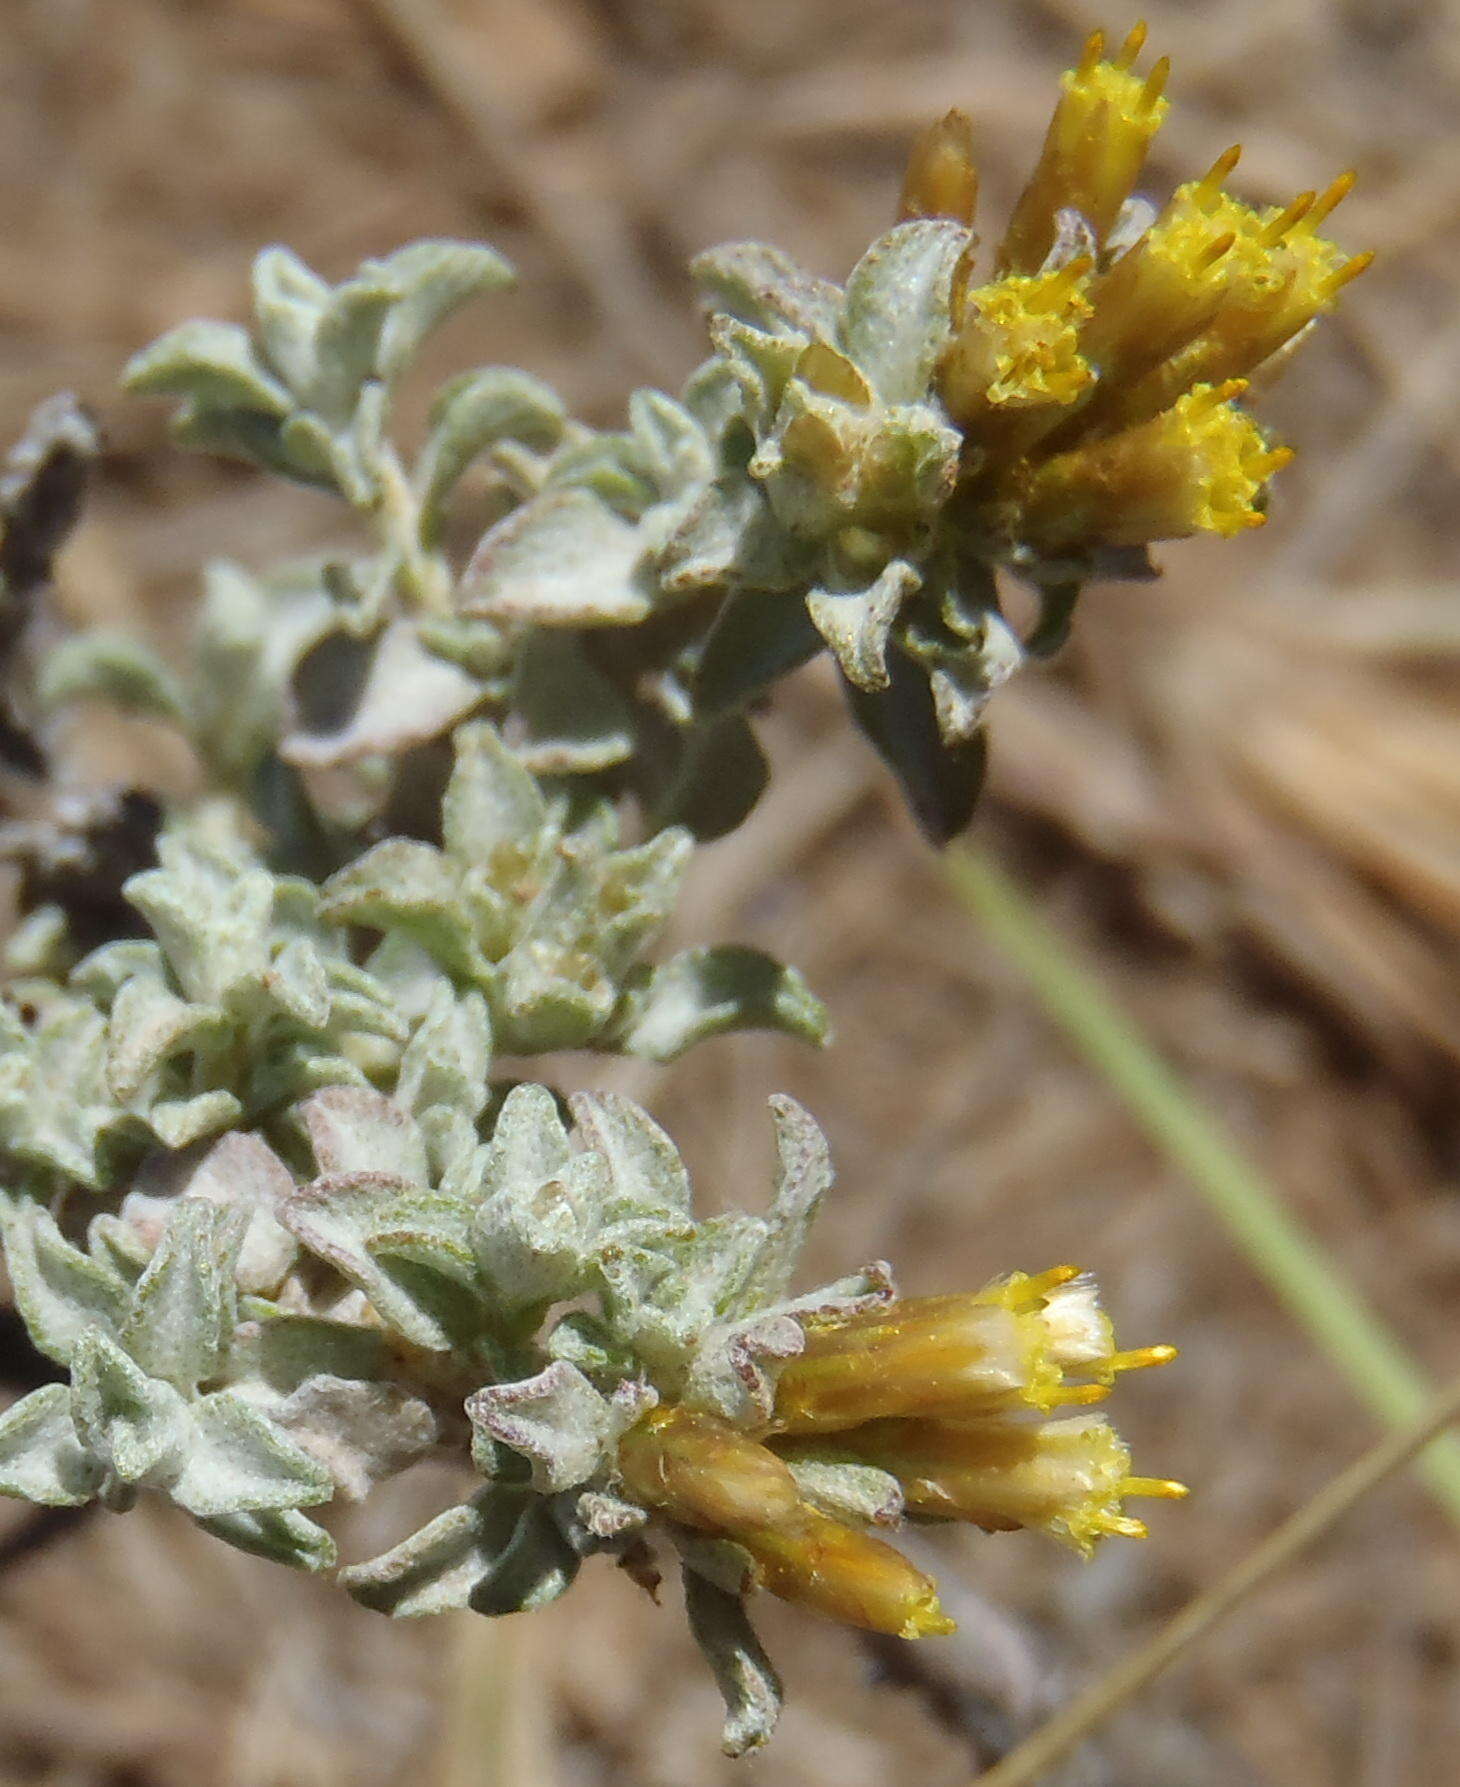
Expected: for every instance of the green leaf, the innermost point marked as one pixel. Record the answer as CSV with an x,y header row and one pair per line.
x,y
283,1536
896,321
758,636
41,1457
212,363
940,782
569,719
432,279
709,991
185,1305
475,412
60,1292
237,1461
103,666
743,1672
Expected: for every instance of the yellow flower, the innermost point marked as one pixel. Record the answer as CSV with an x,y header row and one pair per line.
x,y
1067,1478
1096,378
1200,465
1023,1342
1093,153
1018,344
705,1475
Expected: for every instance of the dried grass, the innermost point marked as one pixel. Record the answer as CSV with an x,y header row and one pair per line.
x,y
1239,789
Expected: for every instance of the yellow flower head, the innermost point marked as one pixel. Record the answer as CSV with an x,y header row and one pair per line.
x,y
1018,345
1022,1343
703,1474
1093,153
1067,1478
1096,378
1201,465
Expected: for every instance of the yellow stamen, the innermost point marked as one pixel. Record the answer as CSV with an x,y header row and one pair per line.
x,y
1135,42
1273,232
1330,201
1161,1488
1140,1358
1205,190
1094,49
1155,84
1349,272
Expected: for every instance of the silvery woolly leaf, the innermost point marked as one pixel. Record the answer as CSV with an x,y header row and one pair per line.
x,y
646,1177
669,446
147,1025
209,906
448,1057
212,363
895,322
113,667
56,1108
255,438
728,537
178,1122
857,622
498,1553
762,364
360,1432
762,286
404,1248
473,413
346,340
60,1292
728,1374
533,1238
743,1672
804,1178
964,673
410,695
284,1536
355,1130
234,1460
134,1425
562,560
239,1172
185,1304
557,1421
431,278
288,299
567,716
411,888
710,991
491,800
41,1458
529,1142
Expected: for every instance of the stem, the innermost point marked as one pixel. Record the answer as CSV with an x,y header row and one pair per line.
x,y
1315,1291
1055,1739
399,510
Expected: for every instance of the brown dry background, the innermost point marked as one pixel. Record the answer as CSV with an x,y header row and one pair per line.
x,y
1240,791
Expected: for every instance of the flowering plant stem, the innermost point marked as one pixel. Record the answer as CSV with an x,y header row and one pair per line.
x,y
1292,1261
1417,1438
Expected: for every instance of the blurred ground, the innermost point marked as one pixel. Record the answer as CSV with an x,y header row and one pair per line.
x,y
1240,790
